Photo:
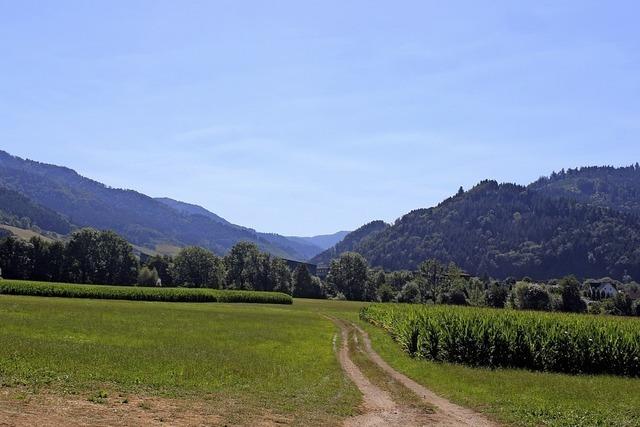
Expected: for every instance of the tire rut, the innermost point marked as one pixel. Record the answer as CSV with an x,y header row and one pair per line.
x,y
379,408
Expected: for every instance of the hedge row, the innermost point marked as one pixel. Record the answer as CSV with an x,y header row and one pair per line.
x,y
555,342
66,290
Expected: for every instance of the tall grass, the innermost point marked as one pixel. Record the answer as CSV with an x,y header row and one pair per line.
x,y
43,289
555,342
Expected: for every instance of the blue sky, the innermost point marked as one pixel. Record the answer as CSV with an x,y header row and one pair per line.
x,y
308,117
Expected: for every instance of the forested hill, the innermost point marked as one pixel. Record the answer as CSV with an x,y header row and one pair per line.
x,y
54,198
616,188
19,211
289,247
510,230
351,241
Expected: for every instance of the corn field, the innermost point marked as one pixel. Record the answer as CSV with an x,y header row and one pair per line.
x,y
554,342
66,290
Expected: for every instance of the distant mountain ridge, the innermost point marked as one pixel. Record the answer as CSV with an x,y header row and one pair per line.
x,y
323,241
351,241
301,248
71,200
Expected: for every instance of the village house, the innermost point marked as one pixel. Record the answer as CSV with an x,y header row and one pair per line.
x,y
601,289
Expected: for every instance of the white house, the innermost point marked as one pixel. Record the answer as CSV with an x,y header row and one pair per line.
x,y
600,290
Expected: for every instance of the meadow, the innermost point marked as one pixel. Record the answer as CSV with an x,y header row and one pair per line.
x,y
248,361
45,289
243,359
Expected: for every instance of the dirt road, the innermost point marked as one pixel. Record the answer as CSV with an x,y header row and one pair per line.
x,y
380,409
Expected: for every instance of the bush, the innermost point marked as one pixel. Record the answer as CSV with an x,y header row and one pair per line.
x,y
558,342
66,290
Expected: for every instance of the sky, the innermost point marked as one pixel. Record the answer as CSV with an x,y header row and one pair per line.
x,y
309,117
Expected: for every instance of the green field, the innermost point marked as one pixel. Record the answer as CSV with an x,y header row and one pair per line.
x,y
248,360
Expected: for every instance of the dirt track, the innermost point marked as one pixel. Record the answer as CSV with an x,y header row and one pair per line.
x,y
379,409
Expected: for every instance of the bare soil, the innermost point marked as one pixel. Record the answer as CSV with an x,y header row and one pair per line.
x,y
44,409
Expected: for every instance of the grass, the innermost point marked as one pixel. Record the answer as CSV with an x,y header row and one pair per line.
x,y
25,234
246,359
521,397
262,357
20,287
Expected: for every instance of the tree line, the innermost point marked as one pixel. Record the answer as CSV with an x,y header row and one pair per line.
x,y
437,283
103,257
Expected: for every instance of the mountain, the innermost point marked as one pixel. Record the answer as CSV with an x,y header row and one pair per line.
x,y
615,188
18,210
57,198
323,241
292,247
582,222
351,241
191,209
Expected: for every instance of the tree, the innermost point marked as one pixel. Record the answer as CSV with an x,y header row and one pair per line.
x,y
198,267
375,279
348,275
147,276
410,293
636,308
619,305
304,285
162,265
571,299
15,258
476,293
385,293
100,257
496,295
40,259
530,297
280,277
244,265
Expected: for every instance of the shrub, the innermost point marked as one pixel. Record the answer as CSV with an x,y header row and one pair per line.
x,y
558,342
